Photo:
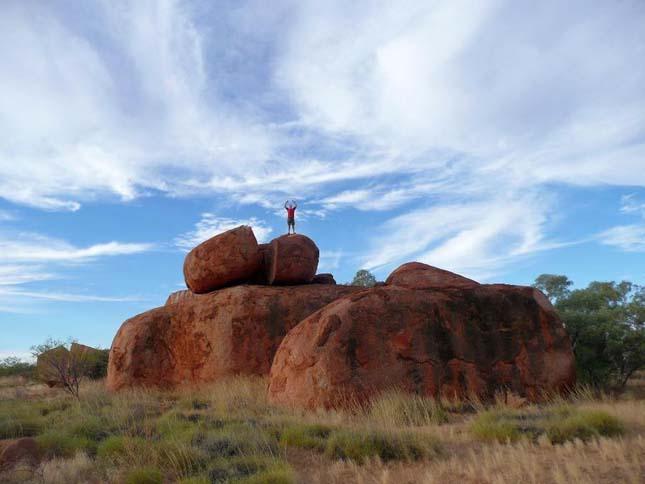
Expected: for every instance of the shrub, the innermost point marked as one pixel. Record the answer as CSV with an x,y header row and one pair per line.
x,y
236,468
144,475
583,425
306,436
12,426
119,446
57,444
560,424
180,459
361,445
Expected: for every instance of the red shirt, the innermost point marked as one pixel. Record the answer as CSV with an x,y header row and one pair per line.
x,y
291,212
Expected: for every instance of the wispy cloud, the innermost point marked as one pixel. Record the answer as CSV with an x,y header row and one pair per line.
x,y
62,297
38,248
211,225
630,238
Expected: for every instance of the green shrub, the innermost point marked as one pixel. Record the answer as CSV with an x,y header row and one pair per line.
x,y
400,409
144,475
583,425
560,424
195,480
361,445
236,468
56,444
119,446
277,473
12,426
179,458
496,425
306,436
91,428
237,438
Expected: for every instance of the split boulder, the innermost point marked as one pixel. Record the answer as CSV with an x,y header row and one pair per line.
x,y
292,259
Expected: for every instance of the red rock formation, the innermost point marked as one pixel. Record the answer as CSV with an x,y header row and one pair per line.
x,y
229,257
293,259
324,278
415,275
18,453
455,342
177,296
231,331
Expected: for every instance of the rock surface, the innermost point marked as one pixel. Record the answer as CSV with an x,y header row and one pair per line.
x,y
324,278
229,257
227,332
177,296
415,275
292,259
455,342
19,453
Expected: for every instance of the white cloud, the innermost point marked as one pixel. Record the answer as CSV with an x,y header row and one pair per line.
x,y
630,238
630,205
211,225
462,104
38,248
18,295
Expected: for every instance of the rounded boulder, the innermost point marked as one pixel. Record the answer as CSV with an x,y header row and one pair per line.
x,y
416,275
292,259
229,257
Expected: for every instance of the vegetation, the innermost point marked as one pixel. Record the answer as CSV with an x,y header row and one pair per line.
x,y
364,278
67,365
12,366
226,432
606,324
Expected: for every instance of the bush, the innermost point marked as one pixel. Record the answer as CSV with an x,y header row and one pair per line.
x,y
55,444
306,436
144,475
560,424
12,366
12,427
361,445
119,446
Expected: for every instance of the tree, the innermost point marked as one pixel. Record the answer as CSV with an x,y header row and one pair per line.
x,y
606,324
65,364
555,287
364,278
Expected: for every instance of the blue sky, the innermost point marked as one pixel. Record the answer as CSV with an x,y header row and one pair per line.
x,y
499,139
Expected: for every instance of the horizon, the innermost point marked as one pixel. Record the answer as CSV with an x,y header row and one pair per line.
x,y
499,140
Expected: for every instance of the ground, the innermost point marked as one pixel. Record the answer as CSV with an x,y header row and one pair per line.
x,y
226,432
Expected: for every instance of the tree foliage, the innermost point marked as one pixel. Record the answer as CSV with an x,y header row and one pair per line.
x,y
606,324
364,278
12,366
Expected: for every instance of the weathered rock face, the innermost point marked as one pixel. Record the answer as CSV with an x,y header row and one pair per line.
x,y
454,342
177,296
229,257
18,453
415,275
231,331
293,259
324,278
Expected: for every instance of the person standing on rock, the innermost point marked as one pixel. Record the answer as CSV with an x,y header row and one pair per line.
x,y
290,207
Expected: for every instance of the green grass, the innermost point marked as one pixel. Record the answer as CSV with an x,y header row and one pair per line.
x,y
306,436
54,443
359,445
145,475
560,424
400,409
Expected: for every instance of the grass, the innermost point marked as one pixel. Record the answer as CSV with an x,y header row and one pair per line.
x,y
560,424
227,432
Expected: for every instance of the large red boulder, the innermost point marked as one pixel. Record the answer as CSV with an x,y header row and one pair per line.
x,y
457,342
292,259
415,275
229,257
232,331
18,454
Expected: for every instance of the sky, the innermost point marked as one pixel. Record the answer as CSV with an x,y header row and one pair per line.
x,y
500,139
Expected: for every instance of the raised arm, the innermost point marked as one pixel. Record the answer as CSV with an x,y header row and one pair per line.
x,y
285,205
295,205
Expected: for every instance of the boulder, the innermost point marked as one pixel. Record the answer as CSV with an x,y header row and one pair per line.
x,y
260,277
227,332
458,342
229,257
49,365
324,278
177,296
293,259
415,275
18,453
